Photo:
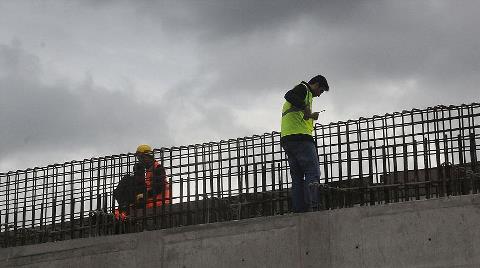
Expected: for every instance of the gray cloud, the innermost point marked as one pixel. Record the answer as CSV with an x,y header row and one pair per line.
x,y
89,74
83,120
37,116
365,49
214,20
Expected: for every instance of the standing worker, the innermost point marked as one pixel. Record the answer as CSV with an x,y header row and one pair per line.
x,y
297,141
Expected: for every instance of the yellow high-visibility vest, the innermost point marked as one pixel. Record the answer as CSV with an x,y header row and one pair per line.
x,y
292,118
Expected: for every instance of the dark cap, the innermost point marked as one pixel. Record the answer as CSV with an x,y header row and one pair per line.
x,y
320,79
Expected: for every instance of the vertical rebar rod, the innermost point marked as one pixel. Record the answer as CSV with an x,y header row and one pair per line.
x,y
416,175
426,164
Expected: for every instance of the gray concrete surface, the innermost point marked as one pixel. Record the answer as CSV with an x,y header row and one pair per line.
x,y
431,233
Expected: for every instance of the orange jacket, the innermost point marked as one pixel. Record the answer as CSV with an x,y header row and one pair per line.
x,y
166,187
121,215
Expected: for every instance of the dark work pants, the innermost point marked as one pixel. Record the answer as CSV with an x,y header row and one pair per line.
x,y
305,173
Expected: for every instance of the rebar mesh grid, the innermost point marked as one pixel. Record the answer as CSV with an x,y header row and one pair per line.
x,y
416,154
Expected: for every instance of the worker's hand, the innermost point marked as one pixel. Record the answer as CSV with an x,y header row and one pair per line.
x,y
307,113
139,197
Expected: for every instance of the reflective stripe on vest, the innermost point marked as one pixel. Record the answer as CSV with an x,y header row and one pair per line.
x,y
292,117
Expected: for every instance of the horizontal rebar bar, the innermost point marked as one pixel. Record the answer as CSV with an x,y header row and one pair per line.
x,y
416,154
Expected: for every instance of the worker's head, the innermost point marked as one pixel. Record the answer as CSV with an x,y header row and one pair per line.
x,y
144,154
318,84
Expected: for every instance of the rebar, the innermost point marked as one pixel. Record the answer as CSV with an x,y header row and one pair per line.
x,y
403,156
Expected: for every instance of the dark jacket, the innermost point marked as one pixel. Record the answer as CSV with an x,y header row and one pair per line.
x,y
131,185
126,191
158,177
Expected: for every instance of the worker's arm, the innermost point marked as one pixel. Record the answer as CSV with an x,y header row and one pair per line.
x,y
139,170
296,96
124,193
158,180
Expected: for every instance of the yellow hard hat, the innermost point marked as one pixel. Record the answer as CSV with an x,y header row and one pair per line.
x,y
144,149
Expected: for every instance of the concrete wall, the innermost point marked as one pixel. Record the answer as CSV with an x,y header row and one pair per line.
x,y
433,233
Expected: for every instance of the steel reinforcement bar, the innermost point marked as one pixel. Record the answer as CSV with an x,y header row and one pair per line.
x,y
416,154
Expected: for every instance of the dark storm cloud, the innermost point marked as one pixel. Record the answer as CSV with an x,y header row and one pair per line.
x,y
254,46
37,116
70,118
361,46
226,61
218,20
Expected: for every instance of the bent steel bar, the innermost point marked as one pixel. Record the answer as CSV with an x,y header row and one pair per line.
x,y
402,156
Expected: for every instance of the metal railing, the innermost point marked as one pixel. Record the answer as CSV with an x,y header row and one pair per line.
x,y
416,154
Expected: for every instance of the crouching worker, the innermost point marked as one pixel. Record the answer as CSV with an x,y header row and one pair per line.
x,y
146,189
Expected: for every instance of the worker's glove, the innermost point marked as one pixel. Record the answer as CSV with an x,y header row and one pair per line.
x,y
139,198
314,115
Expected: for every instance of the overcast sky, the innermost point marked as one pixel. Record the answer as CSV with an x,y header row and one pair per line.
x,y
80,79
